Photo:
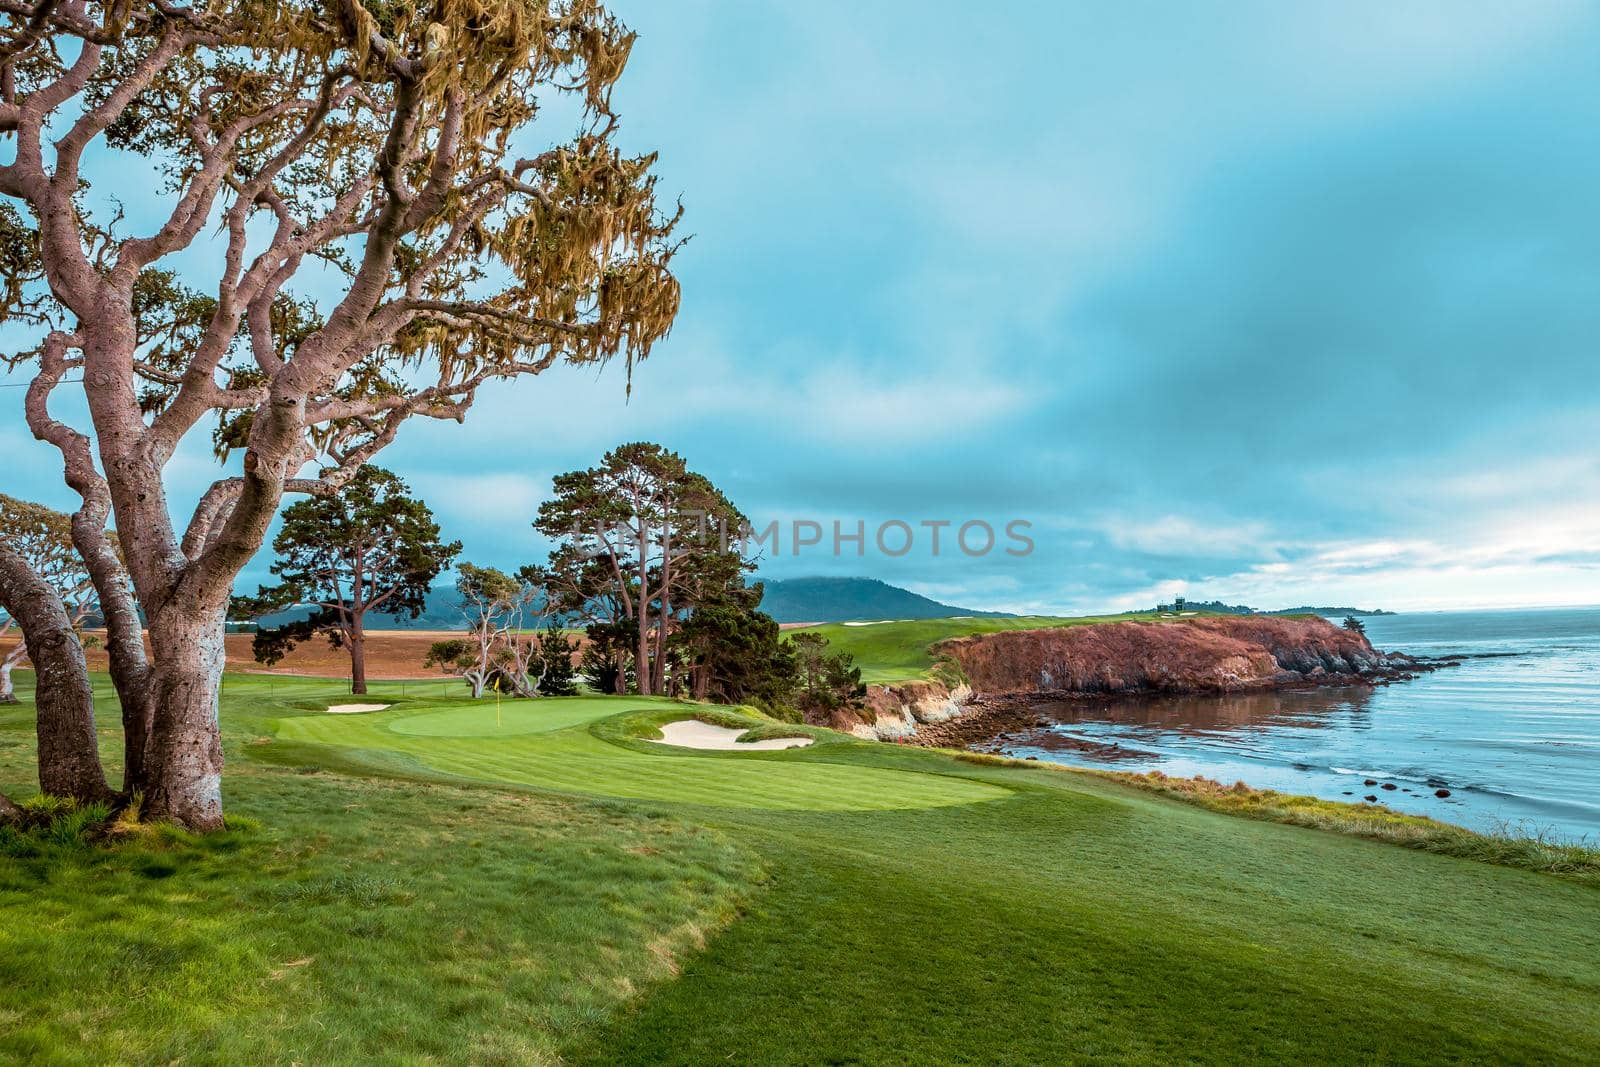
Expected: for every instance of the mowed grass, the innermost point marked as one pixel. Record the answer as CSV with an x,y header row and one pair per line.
x,y
548,743
384,910
897,651
347,920
1073,925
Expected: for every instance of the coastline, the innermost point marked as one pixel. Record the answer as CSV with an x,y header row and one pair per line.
x,y
983,684
1512,731
988,719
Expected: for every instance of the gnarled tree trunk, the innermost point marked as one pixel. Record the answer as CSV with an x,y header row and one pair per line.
x,y
112,585
183,768
130,670
69,752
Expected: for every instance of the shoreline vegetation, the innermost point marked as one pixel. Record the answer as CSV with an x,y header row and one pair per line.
x,y
1525,848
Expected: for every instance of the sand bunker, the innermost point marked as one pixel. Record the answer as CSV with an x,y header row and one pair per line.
x,y
692,733
353,709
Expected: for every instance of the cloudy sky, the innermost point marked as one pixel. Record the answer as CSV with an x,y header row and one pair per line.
x,y
1276,303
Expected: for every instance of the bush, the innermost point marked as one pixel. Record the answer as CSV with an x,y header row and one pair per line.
x,y
828,681
559,678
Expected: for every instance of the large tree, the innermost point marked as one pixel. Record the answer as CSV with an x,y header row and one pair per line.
x,y
642,537
375,154
369,548
734,653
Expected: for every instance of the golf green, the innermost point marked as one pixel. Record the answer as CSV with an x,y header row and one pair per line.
x,y
549,744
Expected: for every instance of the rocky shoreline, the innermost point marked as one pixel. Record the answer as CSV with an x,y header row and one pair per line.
x,y
985,720
1005,673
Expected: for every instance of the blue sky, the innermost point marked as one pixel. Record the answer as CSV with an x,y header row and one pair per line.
x,y
1277,303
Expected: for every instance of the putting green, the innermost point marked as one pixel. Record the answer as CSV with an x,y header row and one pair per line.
x,y
547,743
488,718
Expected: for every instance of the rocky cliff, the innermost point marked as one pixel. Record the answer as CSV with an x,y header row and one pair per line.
x,y
1214,654
893,712
1226,654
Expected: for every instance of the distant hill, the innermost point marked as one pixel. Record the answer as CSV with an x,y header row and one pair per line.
x,y
1358,612
1219,608
442,612
787,600
851,600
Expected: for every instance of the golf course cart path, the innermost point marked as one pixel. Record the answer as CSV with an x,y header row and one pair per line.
x,y
692,733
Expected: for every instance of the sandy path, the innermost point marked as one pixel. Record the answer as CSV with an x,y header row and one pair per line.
x,y
692,733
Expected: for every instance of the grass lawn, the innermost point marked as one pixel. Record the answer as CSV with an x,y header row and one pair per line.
x,y
443,883
893,651
548,743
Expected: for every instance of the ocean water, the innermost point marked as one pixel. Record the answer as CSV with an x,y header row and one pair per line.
x,y
1513,733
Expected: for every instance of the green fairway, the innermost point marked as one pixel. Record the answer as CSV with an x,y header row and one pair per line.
x,y
549,743
897,651
450,882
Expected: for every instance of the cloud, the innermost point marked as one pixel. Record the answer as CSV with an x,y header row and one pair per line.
x,y
1550,561
491,499
1296,304
1176,535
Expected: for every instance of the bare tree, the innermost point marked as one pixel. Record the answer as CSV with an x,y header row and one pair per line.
x,y
529,658
375,149
491,602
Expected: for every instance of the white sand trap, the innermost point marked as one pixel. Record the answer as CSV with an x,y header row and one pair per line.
x,y
355,709
692,733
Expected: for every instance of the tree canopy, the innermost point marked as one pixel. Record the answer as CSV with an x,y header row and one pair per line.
x,y
826,681
369,548
641,539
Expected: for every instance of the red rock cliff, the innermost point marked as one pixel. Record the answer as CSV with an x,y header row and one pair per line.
x,y
1214,654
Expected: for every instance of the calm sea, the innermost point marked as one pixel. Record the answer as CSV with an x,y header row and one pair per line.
x,y
1513,733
